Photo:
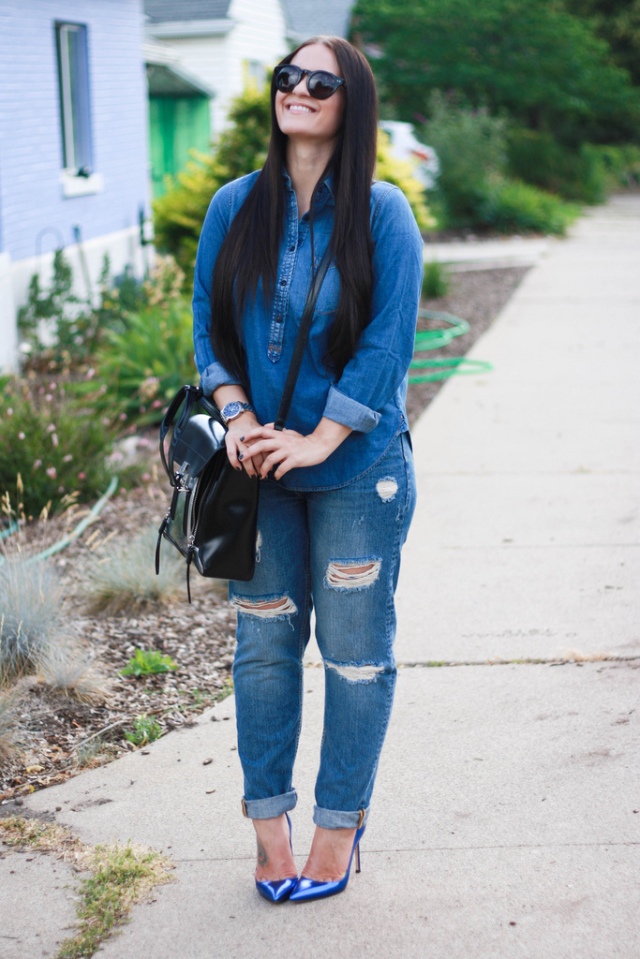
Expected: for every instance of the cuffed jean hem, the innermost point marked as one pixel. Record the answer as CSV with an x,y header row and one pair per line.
x,y
337,819
271,807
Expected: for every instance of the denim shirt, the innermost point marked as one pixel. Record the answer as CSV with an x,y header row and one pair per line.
x,y
370,394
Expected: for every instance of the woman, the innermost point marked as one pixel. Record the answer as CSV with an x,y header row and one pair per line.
x,y
337,491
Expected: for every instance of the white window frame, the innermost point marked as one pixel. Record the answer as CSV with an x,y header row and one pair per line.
x,y
74,182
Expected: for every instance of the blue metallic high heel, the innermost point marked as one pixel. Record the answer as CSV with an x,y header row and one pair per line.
x,y
277,890
308,889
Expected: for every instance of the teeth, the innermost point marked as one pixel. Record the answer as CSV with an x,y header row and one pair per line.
x,y
298,108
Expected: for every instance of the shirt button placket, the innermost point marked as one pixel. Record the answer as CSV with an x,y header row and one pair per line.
x,y
274,350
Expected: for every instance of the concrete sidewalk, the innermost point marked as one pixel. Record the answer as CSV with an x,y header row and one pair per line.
x,y
506,819
464,255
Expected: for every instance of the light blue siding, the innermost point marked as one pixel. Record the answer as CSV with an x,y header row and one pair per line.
x,y
31,154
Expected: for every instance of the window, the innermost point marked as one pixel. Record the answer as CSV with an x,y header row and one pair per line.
x,y
75,109
255,70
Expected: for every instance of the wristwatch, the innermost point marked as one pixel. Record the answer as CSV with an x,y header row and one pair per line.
x,y
231,410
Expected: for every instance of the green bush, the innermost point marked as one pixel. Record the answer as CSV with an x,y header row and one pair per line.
x,y
471,148
573,173
141,369
137,369
435,281
55,447
513,207
60,330
472,189
180,213
621,165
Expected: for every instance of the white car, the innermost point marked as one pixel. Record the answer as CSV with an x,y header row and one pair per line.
x,y
404,146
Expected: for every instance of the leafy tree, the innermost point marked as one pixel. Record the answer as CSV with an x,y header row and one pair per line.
x,y
617,22
536,60
472,189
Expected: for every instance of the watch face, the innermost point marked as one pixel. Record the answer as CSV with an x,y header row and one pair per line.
x,y
231,410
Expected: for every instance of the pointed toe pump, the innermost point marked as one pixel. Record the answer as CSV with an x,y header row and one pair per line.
x,y
277,890
308,889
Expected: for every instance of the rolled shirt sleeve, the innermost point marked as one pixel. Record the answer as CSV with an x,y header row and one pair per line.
x,y
385,347
214,230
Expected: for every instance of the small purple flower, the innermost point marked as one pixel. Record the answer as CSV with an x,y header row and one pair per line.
x,y
21,435
51,472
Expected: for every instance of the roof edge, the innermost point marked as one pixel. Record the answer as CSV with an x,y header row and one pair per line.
x,y
175,29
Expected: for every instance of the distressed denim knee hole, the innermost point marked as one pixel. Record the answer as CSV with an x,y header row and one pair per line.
x,y
354,673
280,608
358,574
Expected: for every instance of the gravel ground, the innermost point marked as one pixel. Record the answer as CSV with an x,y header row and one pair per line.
x,y
58,733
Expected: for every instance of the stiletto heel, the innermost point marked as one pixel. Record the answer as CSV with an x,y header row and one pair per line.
x,y
308,889
277,890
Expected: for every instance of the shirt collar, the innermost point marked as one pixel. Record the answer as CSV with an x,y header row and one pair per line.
x,y
325,191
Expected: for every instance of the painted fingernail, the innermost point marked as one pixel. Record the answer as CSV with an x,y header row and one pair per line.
x,y
242,439
238,469
240,455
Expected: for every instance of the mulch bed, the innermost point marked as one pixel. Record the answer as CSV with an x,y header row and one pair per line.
x,y
61,736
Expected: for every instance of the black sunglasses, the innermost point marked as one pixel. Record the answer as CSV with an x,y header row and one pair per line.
x,y
320,83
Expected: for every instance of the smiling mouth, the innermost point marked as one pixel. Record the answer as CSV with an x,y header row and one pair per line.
x,y
299,108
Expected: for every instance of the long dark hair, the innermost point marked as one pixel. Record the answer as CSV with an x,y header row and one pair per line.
x,y
250,250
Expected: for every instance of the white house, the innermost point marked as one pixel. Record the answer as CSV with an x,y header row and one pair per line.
x,y
221,42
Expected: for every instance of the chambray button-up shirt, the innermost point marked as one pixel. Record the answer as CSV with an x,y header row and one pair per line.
x,y
370,394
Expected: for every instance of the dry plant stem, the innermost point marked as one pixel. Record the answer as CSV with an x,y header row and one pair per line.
x,y
120,877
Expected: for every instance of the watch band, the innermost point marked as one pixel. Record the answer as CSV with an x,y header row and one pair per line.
x,y
230,410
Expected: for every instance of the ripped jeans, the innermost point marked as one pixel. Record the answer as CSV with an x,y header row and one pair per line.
x,y
336,551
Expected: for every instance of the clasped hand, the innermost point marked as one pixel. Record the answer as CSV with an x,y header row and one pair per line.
x,y
263,449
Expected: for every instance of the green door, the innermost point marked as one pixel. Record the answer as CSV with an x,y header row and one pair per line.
x,y
176,126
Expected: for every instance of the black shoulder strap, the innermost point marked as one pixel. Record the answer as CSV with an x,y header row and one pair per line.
x,y
301,339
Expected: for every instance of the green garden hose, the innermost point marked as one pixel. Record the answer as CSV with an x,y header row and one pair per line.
x,y
435,340
95,510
